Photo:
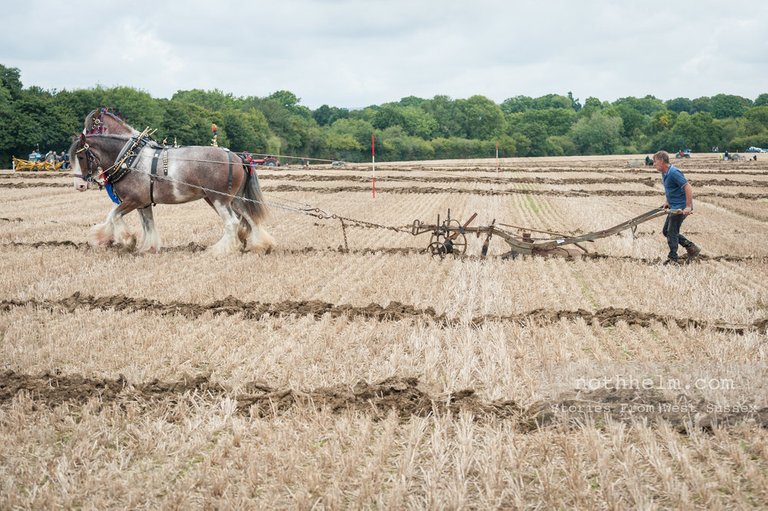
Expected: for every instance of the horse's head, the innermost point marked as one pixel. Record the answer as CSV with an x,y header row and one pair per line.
x,y
86,165
92,156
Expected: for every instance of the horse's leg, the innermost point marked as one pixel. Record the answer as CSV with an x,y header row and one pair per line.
x,y
252,209
151,240
257,239
113,229
229,242
254,237
103,234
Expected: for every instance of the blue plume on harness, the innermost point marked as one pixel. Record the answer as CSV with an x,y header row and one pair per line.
x,y
112,194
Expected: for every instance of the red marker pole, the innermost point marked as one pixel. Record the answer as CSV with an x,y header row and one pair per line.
x,y
373,166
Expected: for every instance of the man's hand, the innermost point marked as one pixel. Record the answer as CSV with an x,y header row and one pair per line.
x,y
665,206
687,211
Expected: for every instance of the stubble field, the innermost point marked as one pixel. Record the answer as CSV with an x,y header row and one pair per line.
x,y
364,373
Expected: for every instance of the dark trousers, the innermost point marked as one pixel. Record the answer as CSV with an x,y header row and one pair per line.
x,y
672,232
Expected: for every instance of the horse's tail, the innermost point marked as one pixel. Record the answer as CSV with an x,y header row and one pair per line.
x,y
252,210
254,205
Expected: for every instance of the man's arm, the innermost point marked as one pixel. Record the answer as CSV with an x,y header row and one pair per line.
x,y
688,189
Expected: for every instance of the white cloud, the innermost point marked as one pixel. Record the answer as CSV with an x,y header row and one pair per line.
x,y
350,53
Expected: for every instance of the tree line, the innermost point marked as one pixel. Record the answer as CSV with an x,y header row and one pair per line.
x,y
410,129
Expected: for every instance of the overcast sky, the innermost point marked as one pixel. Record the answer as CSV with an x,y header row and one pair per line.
x,y
356,53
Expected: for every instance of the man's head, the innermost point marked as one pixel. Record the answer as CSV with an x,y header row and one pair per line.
x,y
661,161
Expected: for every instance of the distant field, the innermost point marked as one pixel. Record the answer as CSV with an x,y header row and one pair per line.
x,y
358,371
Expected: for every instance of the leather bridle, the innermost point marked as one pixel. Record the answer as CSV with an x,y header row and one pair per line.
x,y
92,164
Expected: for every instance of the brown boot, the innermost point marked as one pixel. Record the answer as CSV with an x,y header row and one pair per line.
x,y
693,251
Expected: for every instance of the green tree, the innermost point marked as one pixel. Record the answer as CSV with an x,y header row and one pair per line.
x,y
661,120
397,145
680,105
10,79
561,146
758,116
598,134
728,105
326,115
77,104
348,139
446,115
648,105
634,123
412,101
459,148
702,104
575,104
246,131
36,119
697,132
414,120
553,101
137,107
287,119
185,123
481,118
591,105
517,104
213,100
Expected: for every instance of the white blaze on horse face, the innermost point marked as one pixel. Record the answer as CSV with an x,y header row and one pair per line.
x,y
80,184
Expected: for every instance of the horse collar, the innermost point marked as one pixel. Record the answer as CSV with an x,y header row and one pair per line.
x,y
125,160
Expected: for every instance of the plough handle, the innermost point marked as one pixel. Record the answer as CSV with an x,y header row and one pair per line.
x,y
466,224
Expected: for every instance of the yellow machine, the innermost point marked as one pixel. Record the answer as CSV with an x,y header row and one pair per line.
x,y
20,165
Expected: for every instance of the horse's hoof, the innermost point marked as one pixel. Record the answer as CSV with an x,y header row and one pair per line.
x,y
149,250
128,241
98,240
101,244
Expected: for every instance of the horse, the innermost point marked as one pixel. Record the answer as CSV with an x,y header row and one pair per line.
x,y
139,173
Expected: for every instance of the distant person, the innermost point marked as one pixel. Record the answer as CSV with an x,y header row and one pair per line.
x,y
679,195
215,131
248,159
726,156
648,161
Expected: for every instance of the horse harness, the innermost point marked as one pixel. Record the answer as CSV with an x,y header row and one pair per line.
x,y
159,151
126,160
123,164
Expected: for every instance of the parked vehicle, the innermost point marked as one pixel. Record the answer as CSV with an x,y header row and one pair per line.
x,y
754,149
269,161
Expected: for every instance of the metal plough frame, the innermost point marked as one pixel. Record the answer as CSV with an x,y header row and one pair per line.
x,y
450,235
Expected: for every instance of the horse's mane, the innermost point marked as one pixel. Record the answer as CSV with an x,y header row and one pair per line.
x,y
111,136
105,118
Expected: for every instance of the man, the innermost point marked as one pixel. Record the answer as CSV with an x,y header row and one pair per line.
x,y
679,195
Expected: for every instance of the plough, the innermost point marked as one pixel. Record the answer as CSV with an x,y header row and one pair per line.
x,y
20,165
450,236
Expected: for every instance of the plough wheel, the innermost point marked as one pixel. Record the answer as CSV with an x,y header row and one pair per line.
x,y
456,239
441,245
436,249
